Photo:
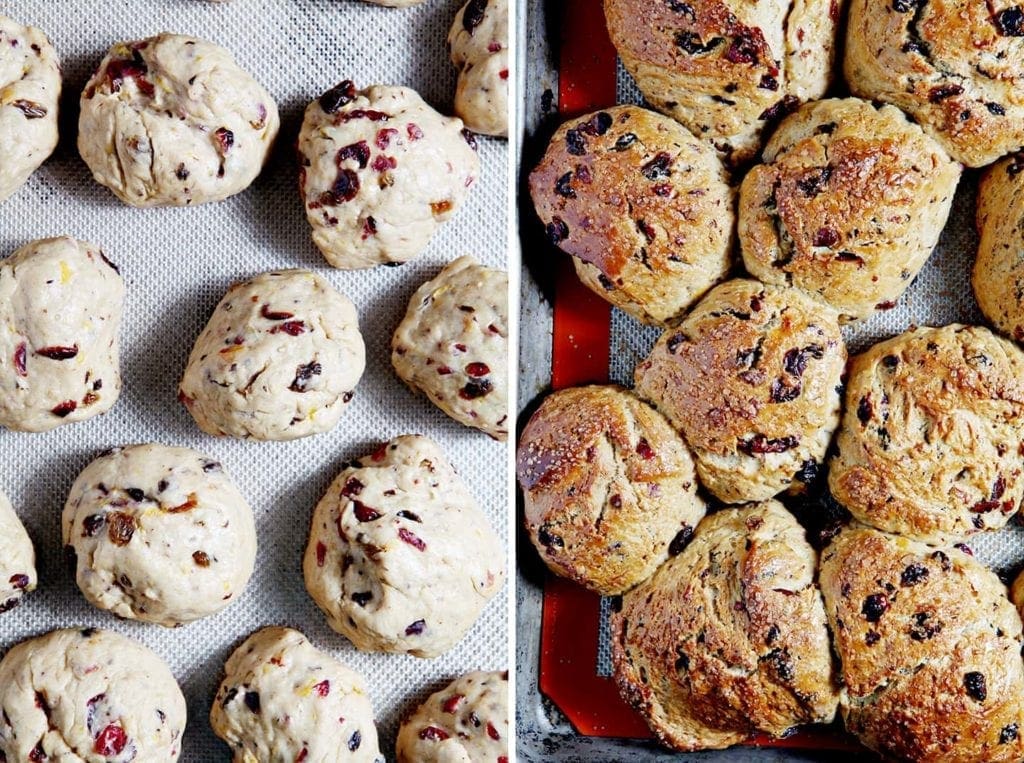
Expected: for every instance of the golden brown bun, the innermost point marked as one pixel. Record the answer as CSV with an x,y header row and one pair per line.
x,y
999,269
608,486
729,637
929,647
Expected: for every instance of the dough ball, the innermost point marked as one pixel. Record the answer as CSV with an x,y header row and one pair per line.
x,y
728,638
381,170
642,205
452,345
30,83
17,559
465,721
89,696
173,121
400,557
395,3
608,486
60,320
752,380
727,70
929,648
999,268
159,534
282,699
932,429
848,205
478,42
279,359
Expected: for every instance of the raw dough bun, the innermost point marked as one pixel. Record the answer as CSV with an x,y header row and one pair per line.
x,y
173,120
608,486
381,170
400,557
930,444
929,647
88,696
642,205
727,69
752,380
17,558
999,269
953,65
284,700
278,360
478,42
467,721
30,86
159,534
848,205
60,319
729,637
452,345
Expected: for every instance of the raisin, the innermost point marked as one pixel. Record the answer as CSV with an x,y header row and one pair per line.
x,y
303,374
549,539
563,186
355,740
362,598
943,559
942,92
225,139
433,734
904,6
30,109
201,558
338,96
743,49
120,528
624,142
409,515
92,524
58,353
345,187
913,574
782,664
874,607
597,125
781,392
252,701
673,343
678,6
575,143
922,629
557,231
360,152
808,472
794,362
1008,734
871,638
759,444
475,388
690,42
974,683
136,494
916,46
658,168
416,628
682,539
865,410
996,109
768,83
473,16
1010,22
19,582
780,109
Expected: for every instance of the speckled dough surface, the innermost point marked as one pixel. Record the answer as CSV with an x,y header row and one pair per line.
x,y
173,120
452,345
930,444
159,534
381,170
17,558
60,318
279,359
998,277
466,722
728,638
478,42
727,69
929,646
88,696
284,700
30,84
609,488
848,204
642,205
953,65
400,557
751,379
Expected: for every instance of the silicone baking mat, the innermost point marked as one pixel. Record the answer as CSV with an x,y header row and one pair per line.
x,y
177,264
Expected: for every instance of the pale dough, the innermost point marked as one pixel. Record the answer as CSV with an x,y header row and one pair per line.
x,y
478,42
17,558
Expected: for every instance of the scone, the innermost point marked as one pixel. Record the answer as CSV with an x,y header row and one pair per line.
x,y
380,171
30,83
998,277
452,345
173,120
279,359
608,487
929,648
952,65
400,556
642,205
478,45
728,638
727,70
752,380
88,695
158,534
60,320
17,558
465,721
932,429
282,699
848,205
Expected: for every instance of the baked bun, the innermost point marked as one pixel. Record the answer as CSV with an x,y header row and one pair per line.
x,y
929,648
608,486
726,69
953,65
848,204
641,204
930,444
751,379
729,637
999,268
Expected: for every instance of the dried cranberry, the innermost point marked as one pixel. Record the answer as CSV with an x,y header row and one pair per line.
x,y
563,186
352,487
360,152
64,409
827,237
780,109
30,109
759,444
451,705
303,374
477,369
134,69
201,558
744,48
492,732
323,688
974,683
433,734
874,607
678,6
369,227
657,168
19,360
58,353
19,582
373,116
413,131
225,139
473,15
92,524
292,328
470,139
865,410
475,388
1010,22
575,143
321,554
783,392
364,513
38,753
548,539
942,92
812,185
338,96
384,136
794,362
913,574
252,701
682,539
345,187
412,539
111,741
922,628
768,83
416,628
690,42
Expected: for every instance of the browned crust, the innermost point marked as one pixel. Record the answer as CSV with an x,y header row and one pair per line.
x,y
998,276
